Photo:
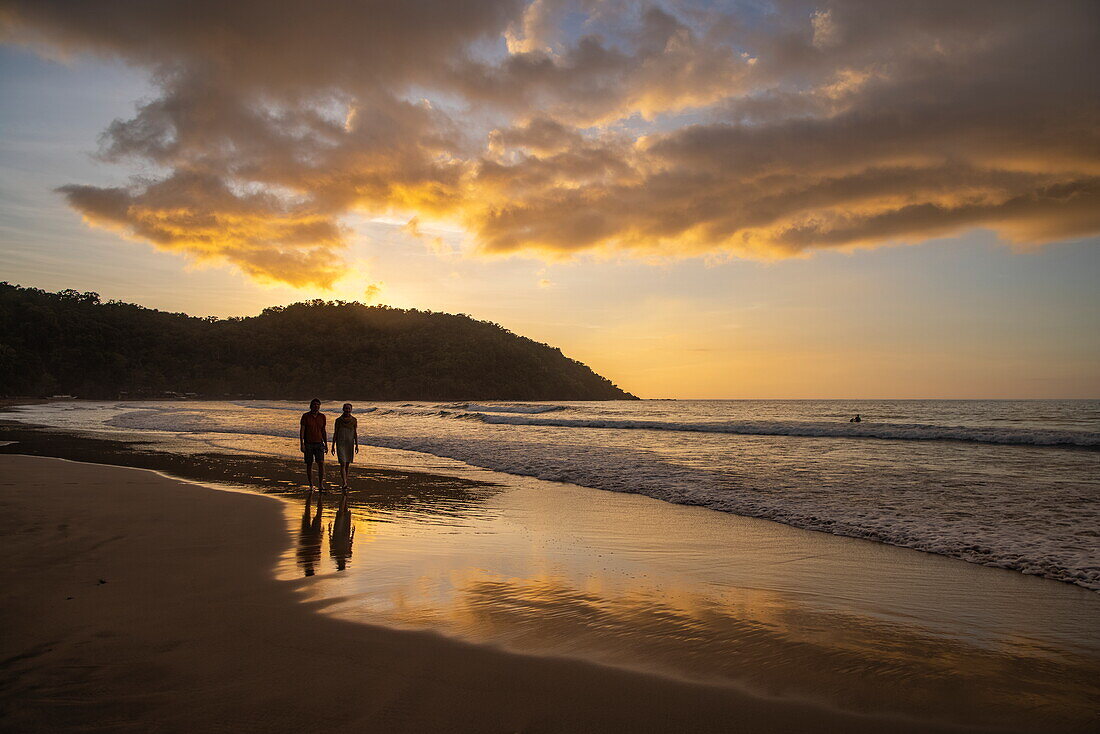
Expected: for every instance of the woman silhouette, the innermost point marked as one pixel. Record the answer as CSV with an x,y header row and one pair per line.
x,y
345,442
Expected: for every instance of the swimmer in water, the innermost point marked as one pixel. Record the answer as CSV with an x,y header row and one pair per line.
x,y
857,419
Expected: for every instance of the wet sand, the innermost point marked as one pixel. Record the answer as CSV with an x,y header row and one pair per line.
x,y
132,601
264,473
662,617
696,595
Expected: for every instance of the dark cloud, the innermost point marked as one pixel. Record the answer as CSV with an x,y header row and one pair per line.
x,y
660,65
290,47
561,126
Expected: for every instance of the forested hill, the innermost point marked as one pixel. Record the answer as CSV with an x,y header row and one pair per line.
x,y
73,343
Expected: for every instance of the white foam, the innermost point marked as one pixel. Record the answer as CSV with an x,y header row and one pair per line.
x,y
510,408
825,429
1049,533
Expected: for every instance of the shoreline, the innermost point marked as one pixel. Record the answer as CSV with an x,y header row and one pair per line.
x,y
191,631
376,486
1018,509
281,475
545,570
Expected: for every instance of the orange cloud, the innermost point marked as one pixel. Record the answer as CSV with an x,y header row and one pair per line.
x,y
267,239
372,292
669,130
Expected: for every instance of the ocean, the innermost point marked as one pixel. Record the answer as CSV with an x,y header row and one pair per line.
x,y
1009,484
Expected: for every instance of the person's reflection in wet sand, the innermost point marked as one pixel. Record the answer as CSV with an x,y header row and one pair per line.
x,y
341,533
309,537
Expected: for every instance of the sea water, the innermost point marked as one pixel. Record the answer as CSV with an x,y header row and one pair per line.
x,y
1010,484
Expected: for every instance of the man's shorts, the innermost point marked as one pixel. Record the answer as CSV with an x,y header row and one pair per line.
x,y
315,451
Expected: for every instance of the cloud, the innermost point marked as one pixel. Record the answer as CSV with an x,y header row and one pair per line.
x,y
372,292
558,127
826,33
267,238
645,65
434,243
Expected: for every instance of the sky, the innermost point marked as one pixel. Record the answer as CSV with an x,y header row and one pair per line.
x,y
849,199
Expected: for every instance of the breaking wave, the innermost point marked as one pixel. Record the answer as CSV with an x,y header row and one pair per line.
x,y
825,429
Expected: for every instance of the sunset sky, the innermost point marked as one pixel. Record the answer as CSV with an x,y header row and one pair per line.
x,y
699,200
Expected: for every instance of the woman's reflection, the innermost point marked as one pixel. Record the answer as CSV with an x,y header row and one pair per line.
x,y
341,533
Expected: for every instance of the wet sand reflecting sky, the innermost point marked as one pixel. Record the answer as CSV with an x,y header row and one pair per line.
x,y
551,569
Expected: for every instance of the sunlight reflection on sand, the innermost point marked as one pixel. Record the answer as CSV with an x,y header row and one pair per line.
x,y
552,569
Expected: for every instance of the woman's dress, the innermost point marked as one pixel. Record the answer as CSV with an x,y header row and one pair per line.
x,y
345,438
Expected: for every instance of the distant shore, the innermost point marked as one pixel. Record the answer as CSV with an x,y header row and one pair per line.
x,y
131,600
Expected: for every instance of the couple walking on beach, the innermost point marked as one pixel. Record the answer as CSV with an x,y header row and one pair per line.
x,y
314,441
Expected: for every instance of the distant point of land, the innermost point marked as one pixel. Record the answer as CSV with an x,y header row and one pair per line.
x,y
74,343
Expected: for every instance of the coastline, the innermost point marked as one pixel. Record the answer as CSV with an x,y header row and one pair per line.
x,y
1028,508
547,570
191,631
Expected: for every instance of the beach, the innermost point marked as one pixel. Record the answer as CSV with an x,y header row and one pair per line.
x,y
468,604
137,602
1007,484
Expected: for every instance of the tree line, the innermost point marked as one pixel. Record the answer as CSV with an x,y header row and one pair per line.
x,y
70,342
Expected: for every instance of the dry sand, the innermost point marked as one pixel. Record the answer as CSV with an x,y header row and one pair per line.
x,y
136,602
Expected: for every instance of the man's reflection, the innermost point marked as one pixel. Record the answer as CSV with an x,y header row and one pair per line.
x,y
309,537
341,533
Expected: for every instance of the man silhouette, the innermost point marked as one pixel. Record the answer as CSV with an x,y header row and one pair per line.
x,y
313,439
